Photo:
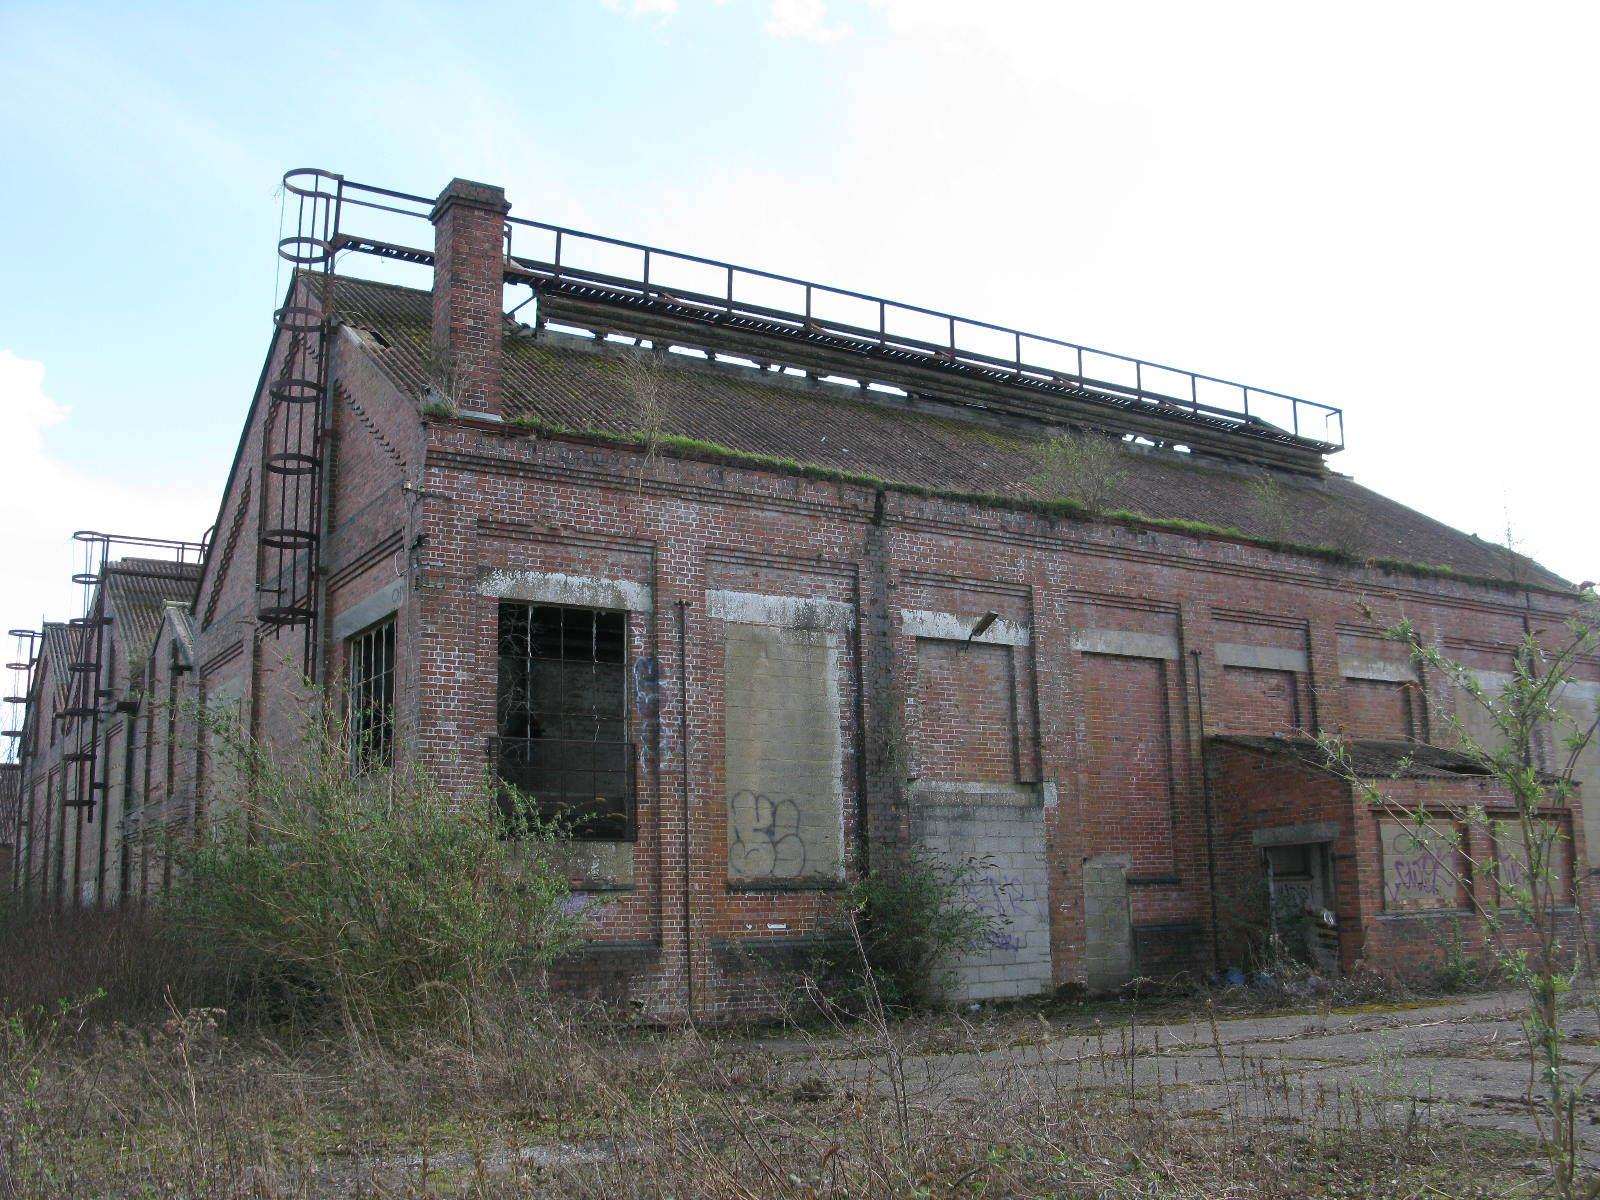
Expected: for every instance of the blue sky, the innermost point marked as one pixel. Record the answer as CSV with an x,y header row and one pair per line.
x,y
1384,208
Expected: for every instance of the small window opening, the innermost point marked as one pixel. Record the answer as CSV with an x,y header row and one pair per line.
x,y
369,697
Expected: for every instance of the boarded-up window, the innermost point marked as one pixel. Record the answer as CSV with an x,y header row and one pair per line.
x,y
1424,868
1257,700
1511,863
1578,701
1477,721
782,756
967,712
1381,708
1130,768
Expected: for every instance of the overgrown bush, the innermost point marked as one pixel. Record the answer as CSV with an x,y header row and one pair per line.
x,y
376,892
898,928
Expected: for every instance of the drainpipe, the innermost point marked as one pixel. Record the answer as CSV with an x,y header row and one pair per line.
x,y
1205,791
125,862
683,754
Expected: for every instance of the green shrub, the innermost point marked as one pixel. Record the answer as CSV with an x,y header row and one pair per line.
x,y
376,892
898,927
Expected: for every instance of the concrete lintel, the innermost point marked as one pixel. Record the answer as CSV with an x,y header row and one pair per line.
x,y
966,792
788,612
553,587
1377,669
952,627
1261,658
369,610
1295,835
1126,643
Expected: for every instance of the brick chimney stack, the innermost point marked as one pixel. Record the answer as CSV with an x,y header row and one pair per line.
x,y
468,285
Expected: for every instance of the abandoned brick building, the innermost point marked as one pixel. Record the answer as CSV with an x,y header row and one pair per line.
x,y
756,579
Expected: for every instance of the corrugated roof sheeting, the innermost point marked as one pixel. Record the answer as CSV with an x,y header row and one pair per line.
x,y
1367,758
138,591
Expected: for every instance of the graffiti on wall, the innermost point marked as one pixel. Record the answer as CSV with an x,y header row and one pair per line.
x,y
765,838
1004,901
1422,867
782,753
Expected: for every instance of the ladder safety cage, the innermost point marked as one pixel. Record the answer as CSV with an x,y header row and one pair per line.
x,y
88,689
22,667
567,261
293,442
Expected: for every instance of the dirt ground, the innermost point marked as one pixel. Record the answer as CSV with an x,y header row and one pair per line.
x,y
1460,1061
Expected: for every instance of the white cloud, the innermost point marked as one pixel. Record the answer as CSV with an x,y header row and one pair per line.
x,y
804,20
643,8
46,498
1342,210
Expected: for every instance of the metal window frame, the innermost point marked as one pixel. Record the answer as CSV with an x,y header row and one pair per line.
x,y
369,671
618,820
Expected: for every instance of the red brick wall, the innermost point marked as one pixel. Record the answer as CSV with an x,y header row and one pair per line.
x,y
1254,792
1129,787
1252,700
1115,737
966,719
1380,708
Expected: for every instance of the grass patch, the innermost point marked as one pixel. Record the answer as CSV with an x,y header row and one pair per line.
x,y
536,1100
1061,508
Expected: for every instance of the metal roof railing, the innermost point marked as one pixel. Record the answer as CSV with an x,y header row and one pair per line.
x,y
564,255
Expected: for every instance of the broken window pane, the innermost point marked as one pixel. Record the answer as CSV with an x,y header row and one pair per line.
x,y
369,696
562,716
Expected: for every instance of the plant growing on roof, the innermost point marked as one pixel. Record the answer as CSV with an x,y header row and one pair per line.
x,y
1530,860
644,377
1270,501
1087,469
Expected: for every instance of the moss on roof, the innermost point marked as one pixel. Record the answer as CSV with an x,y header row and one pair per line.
x,y
563,387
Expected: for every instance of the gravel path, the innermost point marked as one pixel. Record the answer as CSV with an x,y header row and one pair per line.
x,y
1459,1061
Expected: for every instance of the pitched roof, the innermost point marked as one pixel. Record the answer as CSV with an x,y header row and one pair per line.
x,y
55,652
138,591
586,386
181,618
1367,758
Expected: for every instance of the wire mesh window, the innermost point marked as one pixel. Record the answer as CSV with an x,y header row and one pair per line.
x,y
369,696
562,727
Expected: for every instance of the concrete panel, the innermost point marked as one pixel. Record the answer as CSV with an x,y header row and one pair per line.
x,y
1108,923
979,791
783,758
1125,643
1423,867
596,866
1510,869
1476,721
1377,670
1296,835
1578,700
1261,658
553,587
369,610
1006,842
952,627
789,612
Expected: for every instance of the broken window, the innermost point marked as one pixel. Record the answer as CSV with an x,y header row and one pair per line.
x,y
561,716
1289,862
369,696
